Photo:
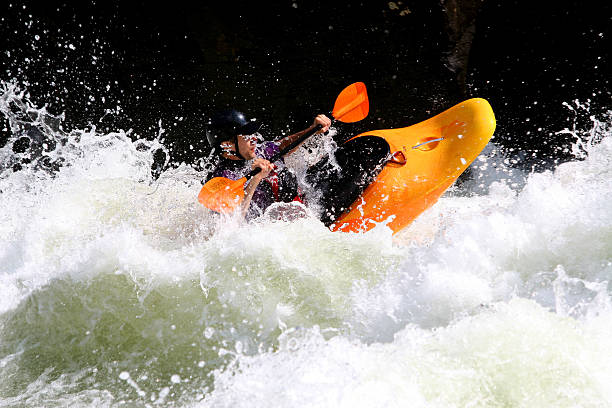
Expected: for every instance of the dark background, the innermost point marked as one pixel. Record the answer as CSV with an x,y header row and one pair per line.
x,y
129,64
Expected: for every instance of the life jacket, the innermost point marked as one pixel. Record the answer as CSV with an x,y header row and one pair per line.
x,y
284,186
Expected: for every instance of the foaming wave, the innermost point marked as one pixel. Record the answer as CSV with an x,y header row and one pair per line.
x,y
510,354
119,288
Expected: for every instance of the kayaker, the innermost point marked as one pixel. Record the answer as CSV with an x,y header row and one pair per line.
x,y
235,139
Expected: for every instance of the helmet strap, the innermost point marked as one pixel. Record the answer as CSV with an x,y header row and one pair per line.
x,y
237,149
234,152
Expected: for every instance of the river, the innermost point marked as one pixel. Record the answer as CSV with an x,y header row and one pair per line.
x,y
120,289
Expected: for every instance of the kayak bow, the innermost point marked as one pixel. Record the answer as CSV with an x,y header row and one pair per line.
x,y
425,160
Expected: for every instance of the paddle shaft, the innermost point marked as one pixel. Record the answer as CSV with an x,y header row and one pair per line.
x,y
287,149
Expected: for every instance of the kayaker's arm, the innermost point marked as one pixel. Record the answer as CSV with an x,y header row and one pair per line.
x,y
266,167
319,120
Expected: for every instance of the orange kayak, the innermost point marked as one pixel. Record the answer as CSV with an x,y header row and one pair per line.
x,y
426,159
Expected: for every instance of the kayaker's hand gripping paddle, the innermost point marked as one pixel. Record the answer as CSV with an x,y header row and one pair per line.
x,y
223,195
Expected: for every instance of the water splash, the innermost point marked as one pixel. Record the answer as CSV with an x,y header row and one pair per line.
x,y
119,288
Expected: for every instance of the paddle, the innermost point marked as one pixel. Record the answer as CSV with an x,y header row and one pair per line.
x,y
223,195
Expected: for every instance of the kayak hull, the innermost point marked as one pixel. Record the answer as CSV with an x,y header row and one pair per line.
x,y
436,152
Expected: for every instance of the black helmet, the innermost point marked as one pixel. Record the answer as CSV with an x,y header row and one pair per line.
x,y
225,125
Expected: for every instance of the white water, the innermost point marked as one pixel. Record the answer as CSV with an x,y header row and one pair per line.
x,y
120,289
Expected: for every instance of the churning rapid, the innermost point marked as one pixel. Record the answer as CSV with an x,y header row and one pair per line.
x,y
118,288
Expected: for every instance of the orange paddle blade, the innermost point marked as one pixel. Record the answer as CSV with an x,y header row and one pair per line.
x,y
222,194
352,104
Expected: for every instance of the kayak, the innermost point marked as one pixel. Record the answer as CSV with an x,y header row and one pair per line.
x,y
391,176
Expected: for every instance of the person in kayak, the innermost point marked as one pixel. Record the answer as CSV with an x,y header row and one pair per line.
x,y
235,139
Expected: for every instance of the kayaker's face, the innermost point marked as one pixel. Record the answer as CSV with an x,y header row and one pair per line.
x,y
247,145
